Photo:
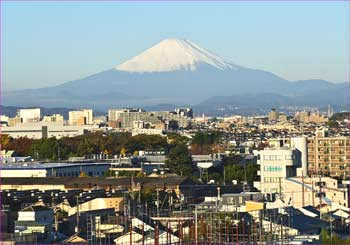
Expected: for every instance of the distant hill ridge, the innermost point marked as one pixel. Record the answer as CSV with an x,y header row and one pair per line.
x,y
180,72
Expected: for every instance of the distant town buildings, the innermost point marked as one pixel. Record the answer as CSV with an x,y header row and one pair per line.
x,y
125,118
309,117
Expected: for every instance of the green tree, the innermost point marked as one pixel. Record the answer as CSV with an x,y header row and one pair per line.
x,y
109,173
236,172
206,142
45,149
180,160
332,124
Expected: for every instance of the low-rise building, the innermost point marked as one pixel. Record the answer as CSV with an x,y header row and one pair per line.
x,y
37,170
42,130
34,219
97,203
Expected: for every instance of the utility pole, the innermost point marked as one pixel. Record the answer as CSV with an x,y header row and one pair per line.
x,y
281,217
58,152
157,203
320,193
313,192
55,216
245,176
224,175
303,190
78,215
280,188
196,225
330,221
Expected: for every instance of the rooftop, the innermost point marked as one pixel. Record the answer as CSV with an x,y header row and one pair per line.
x,y
47,165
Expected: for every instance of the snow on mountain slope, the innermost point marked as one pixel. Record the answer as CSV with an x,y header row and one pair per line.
x,y
172,55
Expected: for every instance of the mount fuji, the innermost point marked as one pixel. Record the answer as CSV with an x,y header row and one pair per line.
x,y
178,72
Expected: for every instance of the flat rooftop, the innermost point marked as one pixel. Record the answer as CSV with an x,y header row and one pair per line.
x,y
19,166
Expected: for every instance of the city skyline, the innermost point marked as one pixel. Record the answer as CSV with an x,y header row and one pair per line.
x,y
80,39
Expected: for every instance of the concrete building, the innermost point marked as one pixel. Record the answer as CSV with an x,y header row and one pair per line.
x,y
276,164
186,112
81,117
300,144
147,131
127,117
308,117
53,118
273,115
37,170
329,155
29,115
300,192
14,121
43,130
4,119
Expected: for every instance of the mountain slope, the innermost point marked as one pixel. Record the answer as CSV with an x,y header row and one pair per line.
x,y
174,72
172,55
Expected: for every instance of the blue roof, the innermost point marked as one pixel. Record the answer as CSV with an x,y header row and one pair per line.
x,y
312,210
297,220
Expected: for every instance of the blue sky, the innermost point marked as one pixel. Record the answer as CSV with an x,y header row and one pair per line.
x,y
48,43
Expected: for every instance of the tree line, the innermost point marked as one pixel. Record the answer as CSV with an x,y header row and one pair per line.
x,y
179,150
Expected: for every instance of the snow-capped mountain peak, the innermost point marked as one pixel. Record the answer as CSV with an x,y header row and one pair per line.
x,y
172,55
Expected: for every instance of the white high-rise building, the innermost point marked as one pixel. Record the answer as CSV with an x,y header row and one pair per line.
x,y
276,164
29,115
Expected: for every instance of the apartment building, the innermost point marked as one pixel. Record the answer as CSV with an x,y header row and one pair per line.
x,y
329,156
81,117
